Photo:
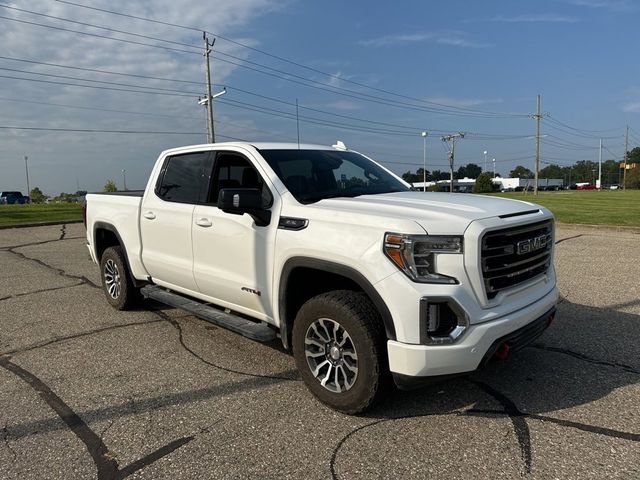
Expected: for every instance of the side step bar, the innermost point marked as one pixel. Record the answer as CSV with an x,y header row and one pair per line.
x,y
253,330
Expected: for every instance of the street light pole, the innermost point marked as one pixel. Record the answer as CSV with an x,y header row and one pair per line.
x,y
26,169
494,167
485,161
424,161
599,186
124,179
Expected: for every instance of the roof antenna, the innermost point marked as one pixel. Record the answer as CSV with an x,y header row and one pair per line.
x,y
298,124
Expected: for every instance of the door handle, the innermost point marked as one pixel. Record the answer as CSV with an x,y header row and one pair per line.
x,y
149,214
203,222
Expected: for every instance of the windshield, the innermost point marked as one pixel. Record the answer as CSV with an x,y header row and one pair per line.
x,y
313,175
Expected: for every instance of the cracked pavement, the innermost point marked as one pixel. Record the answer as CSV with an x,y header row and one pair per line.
x,y
89,392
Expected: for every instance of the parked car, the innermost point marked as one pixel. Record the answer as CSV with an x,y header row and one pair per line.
x,y
11,198
331,253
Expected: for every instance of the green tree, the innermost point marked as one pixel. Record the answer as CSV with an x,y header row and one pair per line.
x,y
551,171
633,176
110,186
412,178
634,155
439,175
521,172
37,196
483,183
470,170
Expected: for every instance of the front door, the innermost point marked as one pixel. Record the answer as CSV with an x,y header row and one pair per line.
x,y
233,258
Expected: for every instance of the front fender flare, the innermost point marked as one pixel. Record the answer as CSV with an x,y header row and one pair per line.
x,y
338,269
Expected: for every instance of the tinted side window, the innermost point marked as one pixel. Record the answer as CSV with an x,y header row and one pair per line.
x,y
235,171
186,178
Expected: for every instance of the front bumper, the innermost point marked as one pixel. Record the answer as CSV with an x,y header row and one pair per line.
x,y
411,360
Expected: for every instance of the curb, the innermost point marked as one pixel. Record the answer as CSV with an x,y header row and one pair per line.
x,y
41,224
598,228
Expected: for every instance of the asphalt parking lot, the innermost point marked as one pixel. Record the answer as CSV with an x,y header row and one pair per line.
x,y
89,392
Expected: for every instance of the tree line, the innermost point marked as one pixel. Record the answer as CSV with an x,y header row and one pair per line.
x,y
581,171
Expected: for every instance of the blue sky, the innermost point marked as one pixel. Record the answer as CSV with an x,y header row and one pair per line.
x,y
467,66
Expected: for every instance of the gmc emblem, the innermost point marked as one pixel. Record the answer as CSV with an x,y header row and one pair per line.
x,y
532,244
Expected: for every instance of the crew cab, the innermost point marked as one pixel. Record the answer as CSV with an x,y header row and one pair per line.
x,y
329,251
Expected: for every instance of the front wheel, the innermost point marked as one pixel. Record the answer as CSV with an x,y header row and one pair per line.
x,y
339,348
116,280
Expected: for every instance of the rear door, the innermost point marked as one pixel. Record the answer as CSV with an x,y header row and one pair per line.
x,y
166,217
233,257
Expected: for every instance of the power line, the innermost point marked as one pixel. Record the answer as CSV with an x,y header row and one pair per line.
x,y
31,12
553,119
580,135
480,136
98,87
337,77
149,114
312,83
97,81
91,130
312,120
95,70
79,32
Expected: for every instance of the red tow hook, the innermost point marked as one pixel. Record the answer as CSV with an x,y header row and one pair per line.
x,y
503,351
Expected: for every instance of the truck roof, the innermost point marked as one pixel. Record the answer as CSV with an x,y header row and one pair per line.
x,y
259,146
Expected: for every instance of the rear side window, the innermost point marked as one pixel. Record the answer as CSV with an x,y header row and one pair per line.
x,y
185,178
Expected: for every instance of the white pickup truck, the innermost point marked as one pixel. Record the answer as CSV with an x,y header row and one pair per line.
x,y
359,276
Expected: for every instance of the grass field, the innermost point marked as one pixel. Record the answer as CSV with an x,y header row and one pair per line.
x,y
608,207
21,214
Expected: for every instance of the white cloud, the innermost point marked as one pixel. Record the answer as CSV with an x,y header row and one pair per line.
x,y
534,18
55,158
453,38
338,105
631,107
615,5
462,102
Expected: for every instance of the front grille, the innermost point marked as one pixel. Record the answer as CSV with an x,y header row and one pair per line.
x,y
514,255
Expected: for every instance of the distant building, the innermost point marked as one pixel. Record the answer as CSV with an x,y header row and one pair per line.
x,y
465,185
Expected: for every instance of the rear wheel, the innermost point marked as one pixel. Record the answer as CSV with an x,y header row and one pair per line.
x,y
339,348
116,280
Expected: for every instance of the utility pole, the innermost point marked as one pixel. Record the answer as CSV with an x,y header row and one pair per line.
x,y
26,168
424,161
452,153
537,116
624,159
599,185
211,136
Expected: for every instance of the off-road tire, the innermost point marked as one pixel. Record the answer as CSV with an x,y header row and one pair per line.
x,y
354,313
116,280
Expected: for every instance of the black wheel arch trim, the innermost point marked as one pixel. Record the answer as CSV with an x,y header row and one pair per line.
x,y
109,227
338,269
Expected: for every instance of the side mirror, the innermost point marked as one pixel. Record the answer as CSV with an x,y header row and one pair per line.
x,y
238,201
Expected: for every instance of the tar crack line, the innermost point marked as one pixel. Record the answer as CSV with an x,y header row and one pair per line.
x,y
106,464
175,324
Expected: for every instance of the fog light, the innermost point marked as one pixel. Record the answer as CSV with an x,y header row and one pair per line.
x,y
441,320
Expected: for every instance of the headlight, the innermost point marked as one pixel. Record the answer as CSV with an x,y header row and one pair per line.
x,y
415,255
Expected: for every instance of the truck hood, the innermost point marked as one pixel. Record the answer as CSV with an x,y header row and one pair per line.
x,y
437,213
